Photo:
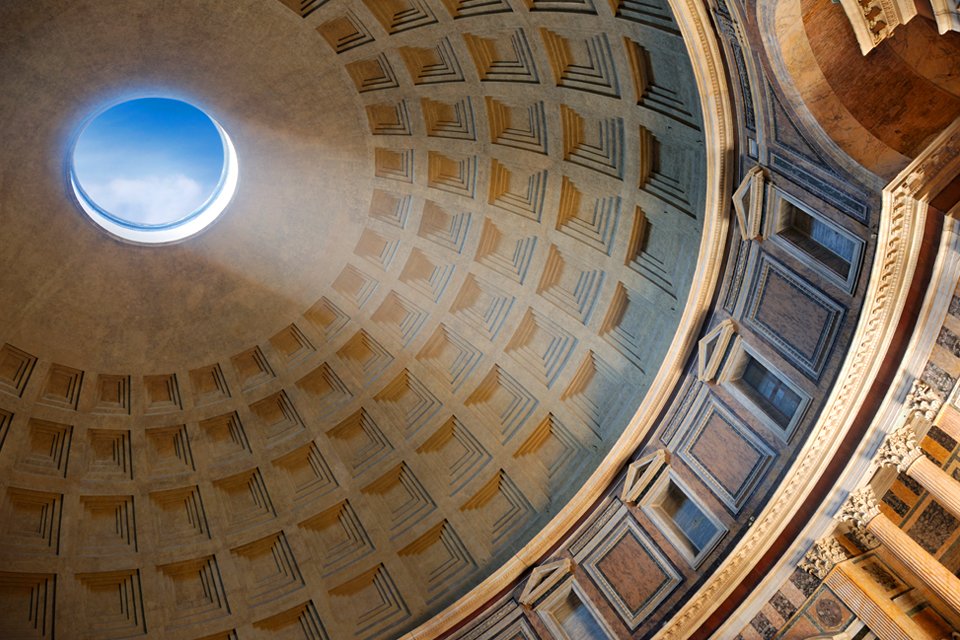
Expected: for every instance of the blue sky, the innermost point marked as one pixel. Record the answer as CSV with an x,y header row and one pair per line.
x,y
149,161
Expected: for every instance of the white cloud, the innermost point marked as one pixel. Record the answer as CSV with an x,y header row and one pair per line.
x,y
149,200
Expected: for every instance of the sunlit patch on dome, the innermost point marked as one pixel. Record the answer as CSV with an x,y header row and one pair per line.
x,y
153,170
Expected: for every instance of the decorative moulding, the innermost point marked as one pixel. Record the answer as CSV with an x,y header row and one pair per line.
x,y
713,348
873,21
642,473
899,242
543,579
701,43
748,203
660,578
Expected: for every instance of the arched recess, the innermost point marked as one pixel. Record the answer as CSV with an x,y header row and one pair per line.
x,y
877,111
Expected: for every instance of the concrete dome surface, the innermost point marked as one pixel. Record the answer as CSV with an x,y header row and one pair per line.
x,y
462,242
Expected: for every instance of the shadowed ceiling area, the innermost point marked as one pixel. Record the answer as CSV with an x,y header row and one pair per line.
x,y
462,241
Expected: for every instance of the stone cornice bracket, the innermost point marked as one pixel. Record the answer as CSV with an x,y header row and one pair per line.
x,y
822,556
922,401
860,508
900,449
873,21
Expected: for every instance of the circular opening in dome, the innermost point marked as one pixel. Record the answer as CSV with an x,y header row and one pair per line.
x,y
153,170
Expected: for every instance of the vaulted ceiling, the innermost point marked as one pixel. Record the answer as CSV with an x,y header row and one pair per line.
x,y
463,239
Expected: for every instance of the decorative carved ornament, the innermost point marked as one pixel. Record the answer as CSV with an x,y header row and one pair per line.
x,y
543,578
873,21
642,473
922,401
947,14
860,508
821,557
900,449
863,539
713,348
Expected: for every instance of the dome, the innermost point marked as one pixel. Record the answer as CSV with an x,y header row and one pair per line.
x,y
441,291
487,319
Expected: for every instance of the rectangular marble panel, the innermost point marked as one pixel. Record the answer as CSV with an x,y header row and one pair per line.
x,y
798,319
629,568
725,453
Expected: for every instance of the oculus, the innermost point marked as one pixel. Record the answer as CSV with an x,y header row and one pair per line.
x,y
153,170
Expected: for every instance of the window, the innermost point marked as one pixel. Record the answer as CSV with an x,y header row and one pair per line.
x,y
759,386
570,616
814,239
692,529
576,620
689,519
153,170
769,392
818,239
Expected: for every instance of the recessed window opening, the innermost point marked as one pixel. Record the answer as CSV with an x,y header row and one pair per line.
x,y
777,401
769,392
690,520
577,620
570,615
153,170
817,239
683,519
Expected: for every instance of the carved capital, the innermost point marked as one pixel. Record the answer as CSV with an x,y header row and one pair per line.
x,y
860,507
922,401
900,449
863,539
822,556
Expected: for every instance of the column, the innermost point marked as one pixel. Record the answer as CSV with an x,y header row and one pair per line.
x,y
861,509
949,421
902,451
828,561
